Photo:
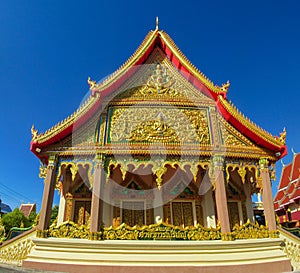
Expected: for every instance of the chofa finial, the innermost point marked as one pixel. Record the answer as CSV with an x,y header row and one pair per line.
x,y
282,136
91,83
225,86
156,23
34,133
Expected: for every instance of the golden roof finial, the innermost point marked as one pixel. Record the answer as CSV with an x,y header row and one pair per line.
x,y
34,133
282,136
91,83
225,86
156,23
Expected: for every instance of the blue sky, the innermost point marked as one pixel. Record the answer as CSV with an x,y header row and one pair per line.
x,y
49,48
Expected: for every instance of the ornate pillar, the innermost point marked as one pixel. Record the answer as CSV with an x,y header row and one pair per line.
x,y
248,203
61,209
97,202
158,206
46,209
209,209
267,193
220,193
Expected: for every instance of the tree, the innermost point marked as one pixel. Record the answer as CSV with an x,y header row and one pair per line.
x,y
14,219
32,218
54,214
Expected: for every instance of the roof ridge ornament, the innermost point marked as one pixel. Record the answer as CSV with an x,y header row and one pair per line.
x,y
156,23
282,136
225,86
34,133
91,83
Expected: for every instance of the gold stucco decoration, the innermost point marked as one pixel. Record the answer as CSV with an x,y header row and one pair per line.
x,y
241,170
160,82
74,168
157,124
253,231
17,252
69,229
43,171
158,168
154,131
161,231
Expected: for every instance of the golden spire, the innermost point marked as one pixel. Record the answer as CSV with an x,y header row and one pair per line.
x,y
156,23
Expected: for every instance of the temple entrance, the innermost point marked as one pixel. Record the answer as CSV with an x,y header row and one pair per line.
x,y
133,213
82,212
182,213
234,214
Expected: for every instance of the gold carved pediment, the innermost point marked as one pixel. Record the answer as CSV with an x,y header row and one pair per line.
x,y
158,79
231,137
154,130
158,124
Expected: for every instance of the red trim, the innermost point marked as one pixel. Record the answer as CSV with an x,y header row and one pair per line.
x,y
248,133
158,41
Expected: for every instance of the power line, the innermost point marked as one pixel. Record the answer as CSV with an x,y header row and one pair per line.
x,y
15,193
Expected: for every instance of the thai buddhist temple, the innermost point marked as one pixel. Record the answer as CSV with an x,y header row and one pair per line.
x,y
156,171
26,209
287,199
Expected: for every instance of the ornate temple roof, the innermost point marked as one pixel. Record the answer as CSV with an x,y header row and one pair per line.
x,y
154,39
289,186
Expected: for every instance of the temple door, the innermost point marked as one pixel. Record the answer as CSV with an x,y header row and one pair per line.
x,y
182,214
82,212
233,211
133,213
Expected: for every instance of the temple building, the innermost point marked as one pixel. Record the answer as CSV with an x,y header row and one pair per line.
x,y
287,199
155,170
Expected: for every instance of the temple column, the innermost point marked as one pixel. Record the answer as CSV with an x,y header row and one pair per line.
x,y
248,203
107,219
97,202
61,209
209,210
221,199
158,206
267,194
46,209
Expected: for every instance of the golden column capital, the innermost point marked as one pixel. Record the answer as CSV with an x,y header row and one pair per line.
x,y
52,161
263,163
218,162
100,159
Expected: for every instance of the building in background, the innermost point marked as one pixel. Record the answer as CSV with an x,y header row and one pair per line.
x,y
287,199
26,209
4,208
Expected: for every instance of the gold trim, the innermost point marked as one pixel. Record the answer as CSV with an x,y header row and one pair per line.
x,y
249,124
182,58
75,168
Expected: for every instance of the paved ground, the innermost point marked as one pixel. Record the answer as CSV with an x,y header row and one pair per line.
x,y
16,269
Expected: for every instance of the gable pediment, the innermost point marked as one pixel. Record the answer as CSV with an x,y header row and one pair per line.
x,y
158,80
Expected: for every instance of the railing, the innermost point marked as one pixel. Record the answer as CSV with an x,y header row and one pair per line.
x,y
291,247
15,250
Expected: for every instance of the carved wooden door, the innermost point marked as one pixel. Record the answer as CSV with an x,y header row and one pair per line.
x,y
133,213
82,212
233,211
182,213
